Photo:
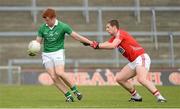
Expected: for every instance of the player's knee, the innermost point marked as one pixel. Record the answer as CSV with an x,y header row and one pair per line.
x,y
54,77
60,74
119,80
141,80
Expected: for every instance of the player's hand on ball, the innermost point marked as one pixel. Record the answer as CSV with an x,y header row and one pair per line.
x,y
95,45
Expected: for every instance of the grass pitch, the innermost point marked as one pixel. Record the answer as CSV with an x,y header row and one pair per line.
x,y
94,97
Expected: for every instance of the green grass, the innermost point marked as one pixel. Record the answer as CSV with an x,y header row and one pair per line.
x,y
94,97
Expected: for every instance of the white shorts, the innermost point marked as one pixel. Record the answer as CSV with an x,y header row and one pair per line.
x,y
53,58
143,60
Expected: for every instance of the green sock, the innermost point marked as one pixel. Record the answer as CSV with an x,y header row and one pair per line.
x,y
74,89
68,94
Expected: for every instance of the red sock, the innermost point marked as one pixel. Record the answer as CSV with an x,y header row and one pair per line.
x,y
133,92
156,93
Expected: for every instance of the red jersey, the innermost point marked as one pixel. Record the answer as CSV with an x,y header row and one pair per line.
x,y
128,47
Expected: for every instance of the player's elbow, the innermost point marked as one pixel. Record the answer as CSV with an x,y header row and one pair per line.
x,y
110,47
75,35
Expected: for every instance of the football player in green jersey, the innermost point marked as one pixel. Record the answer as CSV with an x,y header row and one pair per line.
x,y
52,34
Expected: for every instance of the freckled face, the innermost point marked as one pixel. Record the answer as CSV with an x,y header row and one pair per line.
x,y
49,22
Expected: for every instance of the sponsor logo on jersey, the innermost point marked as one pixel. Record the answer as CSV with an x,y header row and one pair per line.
x,y
121,50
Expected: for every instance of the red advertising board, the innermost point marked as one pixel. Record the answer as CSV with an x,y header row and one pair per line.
x,y
108,77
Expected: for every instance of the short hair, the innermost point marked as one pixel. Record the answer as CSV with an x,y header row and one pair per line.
x,y
114,23
49,12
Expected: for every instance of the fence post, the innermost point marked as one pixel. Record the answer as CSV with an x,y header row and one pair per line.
x,y
10,72
154,29
86,10
100,26
76,66
137,10
171,50
34,11
117,57
76,69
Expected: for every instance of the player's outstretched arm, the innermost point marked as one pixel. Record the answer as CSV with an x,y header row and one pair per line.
x,y
106,45
80,38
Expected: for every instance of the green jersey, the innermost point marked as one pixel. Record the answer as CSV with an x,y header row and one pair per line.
x,y
54,37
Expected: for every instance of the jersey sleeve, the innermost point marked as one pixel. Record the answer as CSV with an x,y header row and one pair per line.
x,y
67,29
121,35
111,39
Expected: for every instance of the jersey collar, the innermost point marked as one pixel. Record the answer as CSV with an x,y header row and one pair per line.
x,y
117,34
55,24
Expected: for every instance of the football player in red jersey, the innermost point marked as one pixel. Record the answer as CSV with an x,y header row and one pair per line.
x,y
139,61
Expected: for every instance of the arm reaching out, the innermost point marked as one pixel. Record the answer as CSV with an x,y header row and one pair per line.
x,y
80,38
105,45
95,45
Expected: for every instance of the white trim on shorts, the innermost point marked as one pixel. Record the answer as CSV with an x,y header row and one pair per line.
x,y
143,60
53,59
